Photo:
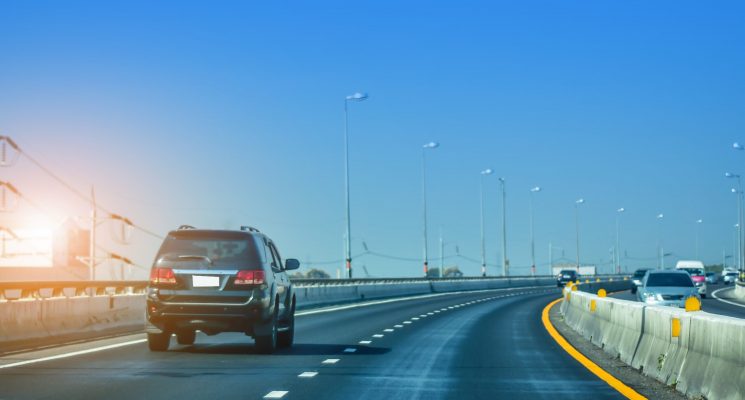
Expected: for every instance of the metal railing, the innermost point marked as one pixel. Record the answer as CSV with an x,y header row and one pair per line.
x,y
39,290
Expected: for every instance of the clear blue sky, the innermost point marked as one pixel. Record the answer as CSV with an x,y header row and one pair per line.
x,y
220,114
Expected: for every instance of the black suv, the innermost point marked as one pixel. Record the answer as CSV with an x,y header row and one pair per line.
x,y
566,275
220,281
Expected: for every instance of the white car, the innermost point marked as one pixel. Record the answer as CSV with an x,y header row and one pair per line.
x,y
729,277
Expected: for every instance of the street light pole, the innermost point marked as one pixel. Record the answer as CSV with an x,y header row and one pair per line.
x,y
618,239
576,223
660,248
532,234
505,260
430,145
348,248
485,172
698,222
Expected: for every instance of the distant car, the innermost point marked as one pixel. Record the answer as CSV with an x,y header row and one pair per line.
x,y
667,288
220,281
636,279
729,277
712,277
566,275
698,273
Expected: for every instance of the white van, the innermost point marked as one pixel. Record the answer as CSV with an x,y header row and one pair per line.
x,y
697,270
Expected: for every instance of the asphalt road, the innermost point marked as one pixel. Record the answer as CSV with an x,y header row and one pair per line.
x,y
709,304
460,346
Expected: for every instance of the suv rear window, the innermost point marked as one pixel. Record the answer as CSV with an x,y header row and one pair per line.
x,y
693,271
640,273
209,250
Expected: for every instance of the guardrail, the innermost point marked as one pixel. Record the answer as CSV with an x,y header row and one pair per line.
x,y
39,290
698,353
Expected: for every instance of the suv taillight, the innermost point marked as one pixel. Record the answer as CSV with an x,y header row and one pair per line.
x,y
249,278
162,276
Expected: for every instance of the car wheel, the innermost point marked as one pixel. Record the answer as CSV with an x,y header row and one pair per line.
x,y
186,337
633,290
703,296
158,341
266,344
286,337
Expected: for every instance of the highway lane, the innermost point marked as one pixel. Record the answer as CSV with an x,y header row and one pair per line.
x,y
468,345
709,304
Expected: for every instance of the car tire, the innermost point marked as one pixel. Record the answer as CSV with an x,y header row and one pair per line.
x,y
703,296
286,337
633,290
267,344
158,341
186,337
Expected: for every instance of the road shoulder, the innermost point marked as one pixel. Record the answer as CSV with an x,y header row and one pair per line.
x,y
644,385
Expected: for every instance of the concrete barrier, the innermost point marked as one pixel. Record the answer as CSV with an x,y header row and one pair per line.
x,y
698,353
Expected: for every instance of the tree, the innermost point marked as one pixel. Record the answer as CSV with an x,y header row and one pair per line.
x,y
316,273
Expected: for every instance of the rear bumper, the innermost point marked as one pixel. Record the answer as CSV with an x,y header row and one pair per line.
x,y
209,317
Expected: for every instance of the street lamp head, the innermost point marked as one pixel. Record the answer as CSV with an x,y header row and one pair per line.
x,y
698,221
501,179
580,201
431,145
357,97
660,216
536,189
733,190
731,175
738,146
621,210
487,171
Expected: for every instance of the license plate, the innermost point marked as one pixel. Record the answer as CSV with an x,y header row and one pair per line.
x,y
205,281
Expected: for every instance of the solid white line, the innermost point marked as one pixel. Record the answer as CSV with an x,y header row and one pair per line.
x,y
276,394
330,361
73,354
308,375
714,295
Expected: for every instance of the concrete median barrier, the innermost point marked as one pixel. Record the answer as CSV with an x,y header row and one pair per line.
x,y
700,354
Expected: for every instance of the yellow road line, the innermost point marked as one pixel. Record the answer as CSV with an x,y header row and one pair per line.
x,y
586,362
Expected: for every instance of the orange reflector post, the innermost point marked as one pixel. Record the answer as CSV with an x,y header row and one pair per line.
x,y
602,293
597,280
675,327
693,304
592,305
574,288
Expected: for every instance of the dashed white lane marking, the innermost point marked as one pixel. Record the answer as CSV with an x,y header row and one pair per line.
x,y
73,354
330,361
407,322
437,311
398,326
378,336
276,394
443,309
308,374
450,308
423,316
415,319
388,330
352,349
430,313
362,342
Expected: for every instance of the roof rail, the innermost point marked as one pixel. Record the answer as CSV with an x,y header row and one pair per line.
x,y
249,228
183,227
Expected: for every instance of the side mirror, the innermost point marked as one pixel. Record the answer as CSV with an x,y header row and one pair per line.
x,y
291,264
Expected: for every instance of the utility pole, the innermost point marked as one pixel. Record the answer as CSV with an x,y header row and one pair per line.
x,y
505,260
92,250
